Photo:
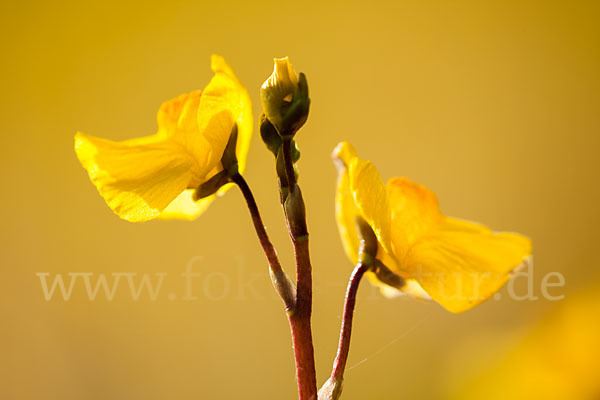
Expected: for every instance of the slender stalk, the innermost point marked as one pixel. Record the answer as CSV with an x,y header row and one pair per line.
x,y
300,319
300,325
280,280
299,304
339,365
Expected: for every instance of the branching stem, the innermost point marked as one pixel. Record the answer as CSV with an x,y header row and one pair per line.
x,y
298,303
282,284
300,323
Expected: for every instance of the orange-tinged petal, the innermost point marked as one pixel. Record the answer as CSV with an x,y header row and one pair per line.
x,y
179,115
458,263
414,209
461,264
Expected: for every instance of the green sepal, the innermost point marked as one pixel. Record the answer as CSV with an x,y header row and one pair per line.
x,y
295,113
229,158
368,242
387,276
211,186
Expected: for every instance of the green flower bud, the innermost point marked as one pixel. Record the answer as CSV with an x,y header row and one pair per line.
x,y
285,99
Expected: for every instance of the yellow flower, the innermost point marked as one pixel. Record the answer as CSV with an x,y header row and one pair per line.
x,y
457,263
156,176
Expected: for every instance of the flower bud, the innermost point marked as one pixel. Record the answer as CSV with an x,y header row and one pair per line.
x,y
285,98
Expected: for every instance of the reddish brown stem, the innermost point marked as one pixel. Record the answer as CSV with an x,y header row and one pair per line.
x,y
339,365
300,307
280,281
300,324
259,226
300,317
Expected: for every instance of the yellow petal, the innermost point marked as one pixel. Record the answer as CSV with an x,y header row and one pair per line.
x,y
346,223
137,178
370,198
178,121
411,287
342,155
153,176
414,209
241,106
178,116
461,266
458,263
202,121
360,193
224,102
368,191
184,207
345,209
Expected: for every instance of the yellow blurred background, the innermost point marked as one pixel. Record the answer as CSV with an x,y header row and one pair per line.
x,y
493,105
